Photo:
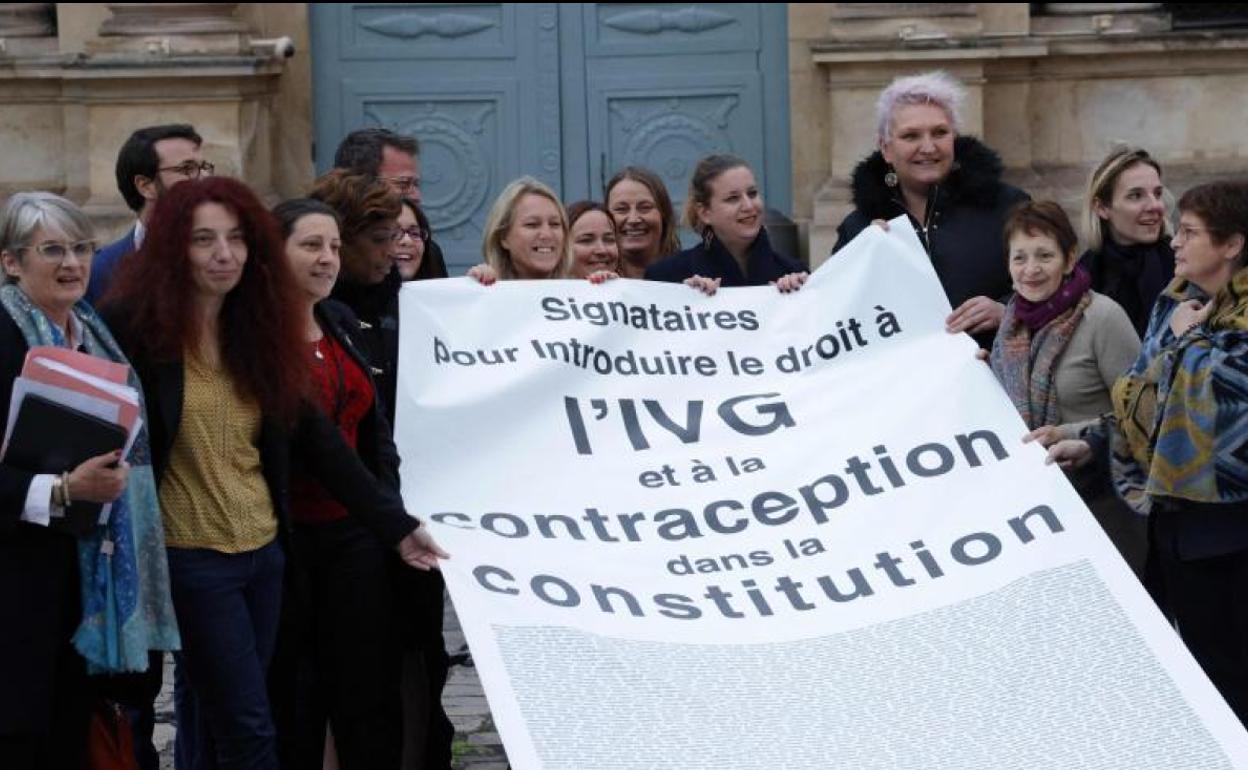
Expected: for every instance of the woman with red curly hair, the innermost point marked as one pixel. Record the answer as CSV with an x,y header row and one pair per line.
x,y
208,312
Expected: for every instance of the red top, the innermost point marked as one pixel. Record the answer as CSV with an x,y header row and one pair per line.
x,y
345,395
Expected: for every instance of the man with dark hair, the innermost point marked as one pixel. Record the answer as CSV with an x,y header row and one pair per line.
x,y
428,733
380,152
151,161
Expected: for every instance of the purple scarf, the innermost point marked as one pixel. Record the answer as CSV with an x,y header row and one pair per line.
x,y
1037,315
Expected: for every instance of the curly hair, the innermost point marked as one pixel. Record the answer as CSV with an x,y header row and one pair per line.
x,y
154,297
361,200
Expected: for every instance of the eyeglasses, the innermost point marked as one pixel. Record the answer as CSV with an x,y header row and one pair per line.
x,y
190,169
402,183
1187,233
415,233
55,251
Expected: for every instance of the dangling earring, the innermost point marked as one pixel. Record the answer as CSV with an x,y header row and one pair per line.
x,y
890,178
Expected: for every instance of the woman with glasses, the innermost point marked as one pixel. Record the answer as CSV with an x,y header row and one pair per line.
x,y
74,603
412,255
1179,432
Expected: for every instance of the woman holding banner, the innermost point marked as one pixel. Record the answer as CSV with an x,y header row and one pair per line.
x,y
644,218
94,603
725,207
950,188
1179,433
1059,350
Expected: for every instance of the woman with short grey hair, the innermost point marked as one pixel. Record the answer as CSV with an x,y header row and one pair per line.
x,y
90,598
949,187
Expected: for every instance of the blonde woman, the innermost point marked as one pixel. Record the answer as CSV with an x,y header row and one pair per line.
x,y
526,235
1124,220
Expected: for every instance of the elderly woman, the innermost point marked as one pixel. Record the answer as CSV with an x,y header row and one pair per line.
x,y
1059,350
725,207
79,610
526,235
1124,218
595,245
644,218
1177,438
950,188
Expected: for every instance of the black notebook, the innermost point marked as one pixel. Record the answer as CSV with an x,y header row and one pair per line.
x,y
48,437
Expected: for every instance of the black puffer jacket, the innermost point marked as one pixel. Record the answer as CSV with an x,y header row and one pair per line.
x,y
967,214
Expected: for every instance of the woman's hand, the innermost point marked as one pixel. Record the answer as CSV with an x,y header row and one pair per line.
x,y
1069,453
880,223
977,314
483,274
418,549
601,276
707,286
791,281
1189,314
1046,435
101,479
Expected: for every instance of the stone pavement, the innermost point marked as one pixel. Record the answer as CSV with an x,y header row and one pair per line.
x,y
477,745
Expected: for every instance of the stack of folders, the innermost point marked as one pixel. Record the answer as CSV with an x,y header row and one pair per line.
x,y
68,407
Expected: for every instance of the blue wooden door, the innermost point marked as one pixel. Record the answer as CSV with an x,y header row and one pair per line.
x,y
567,92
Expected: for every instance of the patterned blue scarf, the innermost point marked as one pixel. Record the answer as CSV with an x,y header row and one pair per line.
x,y
126,607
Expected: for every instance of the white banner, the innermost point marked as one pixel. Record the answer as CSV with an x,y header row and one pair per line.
x,y
774,531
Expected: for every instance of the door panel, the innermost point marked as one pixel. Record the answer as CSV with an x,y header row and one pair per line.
x,y
567,92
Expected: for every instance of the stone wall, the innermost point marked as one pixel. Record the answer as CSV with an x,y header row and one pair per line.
x,y
77,78
1051,92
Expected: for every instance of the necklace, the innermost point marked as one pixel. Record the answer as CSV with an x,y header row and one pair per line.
x,y
316,350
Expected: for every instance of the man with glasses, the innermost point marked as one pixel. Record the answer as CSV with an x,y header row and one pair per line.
x,y
428,732
151,161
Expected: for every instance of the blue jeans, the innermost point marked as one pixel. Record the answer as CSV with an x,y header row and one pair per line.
x,y
227,607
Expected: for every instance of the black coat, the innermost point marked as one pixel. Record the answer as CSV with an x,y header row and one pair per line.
x,y
1132,276
373,439
313,441
964,238
376,310
763,264
40,598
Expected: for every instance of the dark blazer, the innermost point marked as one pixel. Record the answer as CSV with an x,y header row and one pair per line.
x,y
763,264
373,439
314,441
376,310
40,604
105,263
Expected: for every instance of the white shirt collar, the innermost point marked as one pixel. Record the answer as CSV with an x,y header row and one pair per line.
x,y
140,232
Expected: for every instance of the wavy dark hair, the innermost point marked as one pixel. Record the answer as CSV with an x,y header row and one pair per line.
x,y
153,296
361,200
